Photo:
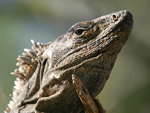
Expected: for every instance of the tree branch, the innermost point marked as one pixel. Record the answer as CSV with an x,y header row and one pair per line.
x,y
90,105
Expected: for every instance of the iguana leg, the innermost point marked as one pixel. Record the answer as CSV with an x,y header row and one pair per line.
x,y
90,105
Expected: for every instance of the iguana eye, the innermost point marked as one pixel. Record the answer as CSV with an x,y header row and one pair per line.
x,y
79,31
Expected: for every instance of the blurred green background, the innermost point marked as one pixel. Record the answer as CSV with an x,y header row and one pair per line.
x,y
128,88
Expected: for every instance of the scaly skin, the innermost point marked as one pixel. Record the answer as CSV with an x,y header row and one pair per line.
x,y
89,50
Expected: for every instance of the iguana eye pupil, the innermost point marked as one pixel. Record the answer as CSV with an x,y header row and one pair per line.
x,y
79,31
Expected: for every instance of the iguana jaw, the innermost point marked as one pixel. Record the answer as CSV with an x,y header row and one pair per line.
x,y
116,29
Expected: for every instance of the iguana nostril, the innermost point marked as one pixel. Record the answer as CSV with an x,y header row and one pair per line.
x,y
114,17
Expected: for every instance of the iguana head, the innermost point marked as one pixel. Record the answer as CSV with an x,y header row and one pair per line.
x,y
85,40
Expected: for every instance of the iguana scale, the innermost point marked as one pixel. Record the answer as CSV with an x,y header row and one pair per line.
x,y
88,50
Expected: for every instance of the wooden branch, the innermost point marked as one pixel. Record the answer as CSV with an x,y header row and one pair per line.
x,y
90,105
99,106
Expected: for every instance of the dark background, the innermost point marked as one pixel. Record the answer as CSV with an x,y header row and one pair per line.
x,y
128,88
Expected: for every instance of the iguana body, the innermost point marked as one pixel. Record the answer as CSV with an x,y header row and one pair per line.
x,y
89,50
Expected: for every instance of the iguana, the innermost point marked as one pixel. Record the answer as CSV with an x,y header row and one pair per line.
x,y
88,50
